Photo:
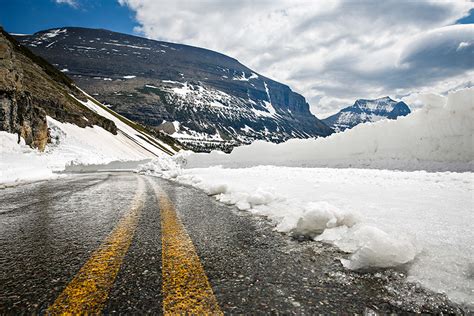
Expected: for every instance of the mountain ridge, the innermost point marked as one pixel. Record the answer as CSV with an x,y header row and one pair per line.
x,y
31,89
216,99
367,110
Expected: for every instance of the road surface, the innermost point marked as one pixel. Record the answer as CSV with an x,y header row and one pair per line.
x,y
128,243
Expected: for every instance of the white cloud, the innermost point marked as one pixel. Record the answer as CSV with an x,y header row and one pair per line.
x,y
330,51
72,3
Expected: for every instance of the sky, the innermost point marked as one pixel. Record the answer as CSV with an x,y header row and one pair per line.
x,y
332,52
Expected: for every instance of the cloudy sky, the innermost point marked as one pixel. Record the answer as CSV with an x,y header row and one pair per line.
x,y
332,52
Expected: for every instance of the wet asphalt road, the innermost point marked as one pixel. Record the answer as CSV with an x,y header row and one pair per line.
x,y
48,231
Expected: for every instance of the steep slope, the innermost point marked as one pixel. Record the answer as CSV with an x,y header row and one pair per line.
x,y
204,98
31,89
43,107
48,124
366,111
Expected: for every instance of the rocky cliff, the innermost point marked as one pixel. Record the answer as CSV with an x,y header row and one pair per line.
x,y
31,89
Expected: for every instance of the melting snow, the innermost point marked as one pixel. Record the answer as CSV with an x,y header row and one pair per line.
x,y
246,129
53,33
183,90
269,108
51,44
84,47
216,104
130,46
261,113
244,78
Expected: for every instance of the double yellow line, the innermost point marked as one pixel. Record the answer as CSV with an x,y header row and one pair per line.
x,y
185,288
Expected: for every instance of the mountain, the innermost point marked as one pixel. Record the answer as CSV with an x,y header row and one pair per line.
x,y
37,100
31,89
363,111
202,97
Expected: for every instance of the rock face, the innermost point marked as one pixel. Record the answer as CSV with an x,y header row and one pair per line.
x,y
208,97
31,89
18,114
367,111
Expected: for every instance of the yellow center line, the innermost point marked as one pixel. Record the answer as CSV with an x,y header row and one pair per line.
x,y
186,289
88,291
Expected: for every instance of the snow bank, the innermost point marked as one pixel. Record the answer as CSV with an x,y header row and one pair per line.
x,y
18,162
370,247
382,218
70,145
291,213
438,137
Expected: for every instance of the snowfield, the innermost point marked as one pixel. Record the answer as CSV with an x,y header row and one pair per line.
x,y
409,218
73,145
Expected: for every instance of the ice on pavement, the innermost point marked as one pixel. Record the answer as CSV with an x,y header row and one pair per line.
x,y
382,218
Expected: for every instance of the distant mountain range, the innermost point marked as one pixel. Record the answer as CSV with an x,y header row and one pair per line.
x,y
203,98
363,111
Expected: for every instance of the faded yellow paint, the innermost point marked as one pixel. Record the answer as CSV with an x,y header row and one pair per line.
x,y
186,289
88,291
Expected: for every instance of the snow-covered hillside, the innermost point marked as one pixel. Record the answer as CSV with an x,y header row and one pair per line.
x,y
416,220
438,137
75,145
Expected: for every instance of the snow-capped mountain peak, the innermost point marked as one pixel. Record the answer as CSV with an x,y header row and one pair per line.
x,y
366,110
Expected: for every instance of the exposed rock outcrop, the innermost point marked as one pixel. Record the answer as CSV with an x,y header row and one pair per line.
x,y
19,114
31,89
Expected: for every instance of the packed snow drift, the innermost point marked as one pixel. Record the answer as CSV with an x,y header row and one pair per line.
x,y
73,145
418,220
437,137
